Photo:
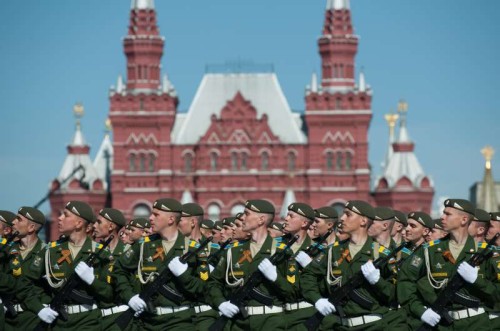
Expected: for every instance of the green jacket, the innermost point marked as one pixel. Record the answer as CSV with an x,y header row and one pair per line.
x,y
241,266
314,277
61,265
416,291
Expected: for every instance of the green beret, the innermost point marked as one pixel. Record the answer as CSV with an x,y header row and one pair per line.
x,y
276,226
384,214
260,206
32,214
461,204
7,217
302,209
481,215
495,216
192,209
207,224
228,221
326,213
168,204
140,223
81,209
218,225
438,224
400,217
113,215
422,218
239,216
360,207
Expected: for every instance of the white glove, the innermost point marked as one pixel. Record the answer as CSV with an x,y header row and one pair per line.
x,y
371,273
468,272
85,272
137,304
48,315
177,267
303,259
324,306
268,270
228,309
211,267
430,317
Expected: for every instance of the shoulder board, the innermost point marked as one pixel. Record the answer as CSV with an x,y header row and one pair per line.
x,y
280,245
193,244
407,251
214,245
97,245
237,243
382,250
335,244
432,243
3,241
152,237
482,244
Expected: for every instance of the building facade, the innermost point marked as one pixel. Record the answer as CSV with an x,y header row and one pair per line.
x,y
239,139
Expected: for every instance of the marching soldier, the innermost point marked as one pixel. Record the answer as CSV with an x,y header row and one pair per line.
x,y
6,218
22,255
148,260
440,260
325,220
240,262
381,228
206,227
275,229
108,223
57,263
137,229
437,231
494,228
344,259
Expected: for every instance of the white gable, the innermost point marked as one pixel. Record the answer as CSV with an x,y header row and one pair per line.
x,y
261,89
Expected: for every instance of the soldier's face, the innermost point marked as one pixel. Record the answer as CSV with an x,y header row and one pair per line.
x,y
102,228
68,222
351,221
20,224
436,234
226,233
452,219
293,222
134,233
414,231
320,227
376,228
238,232
250,220
185,225
217,237
397,228
493,230
158,219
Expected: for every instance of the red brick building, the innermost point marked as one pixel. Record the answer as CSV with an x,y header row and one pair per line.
x,y
239,139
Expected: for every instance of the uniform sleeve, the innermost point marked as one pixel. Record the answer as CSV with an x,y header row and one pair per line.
x,y
409,274
216,283
487,287
124,267
310,279
101,287
25,288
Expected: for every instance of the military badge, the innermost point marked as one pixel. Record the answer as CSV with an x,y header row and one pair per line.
x,y
416,261
37,261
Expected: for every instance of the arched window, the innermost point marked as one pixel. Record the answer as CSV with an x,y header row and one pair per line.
x,y
244,158
291,161
329,160
131,165
213,161
188,163
141,210
237,209
337,103
264,161
338,165
348,160
142,163
234,161
152,159
213,212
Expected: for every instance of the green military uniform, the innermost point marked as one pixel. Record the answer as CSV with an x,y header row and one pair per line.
x,y
336,268
147,260
233,268
6,217
22,271
431,267
56,265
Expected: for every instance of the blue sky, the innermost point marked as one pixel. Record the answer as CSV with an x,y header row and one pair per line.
x,y
441,56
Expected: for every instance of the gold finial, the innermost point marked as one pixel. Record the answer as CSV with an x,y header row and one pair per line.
x,y
402,106
488,152
78,111
391,119
107,125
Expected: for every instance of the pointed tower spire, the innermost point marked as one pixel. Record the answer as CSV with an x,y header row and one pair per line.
x,y
143,47
362,81
391,120
314,83
288,199
119,84
488,200
338,46
187,197
103,162
404,137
